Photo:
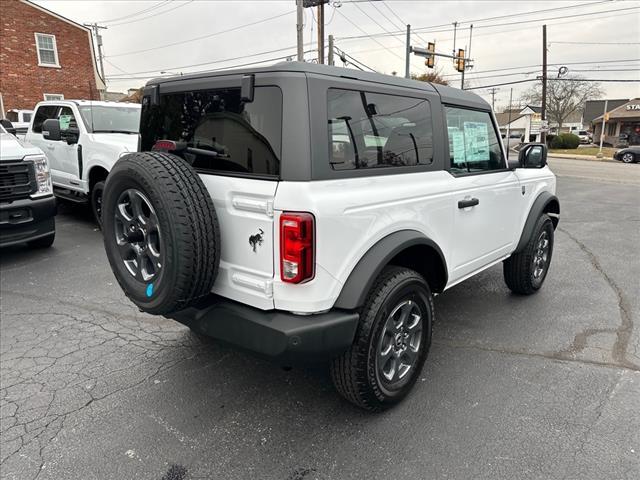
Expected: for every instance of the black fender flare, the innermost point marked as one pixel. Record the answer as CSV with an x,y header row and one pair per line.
x,y
539,206
362,277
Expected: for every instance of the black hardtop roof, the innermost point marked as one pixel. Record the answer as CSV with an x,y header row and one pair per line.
x,y
448,94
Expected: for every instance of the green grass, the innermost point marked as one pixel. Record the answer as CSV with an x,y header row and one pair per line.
x,y
606,151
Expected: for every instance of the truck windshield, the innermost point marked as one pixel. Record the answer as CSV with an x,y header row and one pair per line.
x,y
111,119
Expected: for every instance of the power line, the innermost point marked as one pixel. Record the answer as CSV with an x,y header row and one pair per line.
x,y
221,68
597,43
363,31
377,23
154,15
618,80
429,29
213,62
203,36
134,14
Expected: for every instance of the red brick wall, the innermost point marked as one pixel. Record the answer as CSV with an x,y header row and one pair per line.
x,y
22,82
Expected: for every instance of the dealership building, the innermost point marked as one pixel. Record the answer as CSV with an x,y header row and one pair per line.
x,y
621,126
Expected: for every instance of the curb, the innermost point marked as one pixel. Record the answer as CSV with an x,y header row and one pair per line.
x,y
586,158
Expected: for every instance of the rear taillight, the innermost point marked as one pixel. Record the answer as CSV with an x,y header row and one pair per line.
x,y
297,244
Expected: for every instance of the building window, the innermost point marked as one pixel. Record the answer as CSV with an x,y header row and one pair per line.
x,y
611,129
47,50
53,96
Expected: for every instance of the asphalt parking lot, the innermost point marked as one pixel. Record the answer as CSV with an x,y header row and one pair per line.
x,y
538,387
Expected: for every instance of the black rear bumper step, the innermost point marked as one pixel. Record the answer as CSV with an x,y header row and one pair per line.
x,y
280,335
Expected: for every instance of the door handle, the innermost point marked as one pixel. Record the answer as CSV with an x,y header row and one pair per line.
x,y
468,202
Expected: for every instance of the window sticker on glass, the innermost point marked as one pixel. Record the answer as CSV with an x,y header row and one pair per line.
x,y
476,139
457,146
65,121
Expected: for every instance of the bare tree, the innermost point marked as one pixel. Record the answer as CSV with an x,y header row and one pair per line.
x,y
564,96
432,77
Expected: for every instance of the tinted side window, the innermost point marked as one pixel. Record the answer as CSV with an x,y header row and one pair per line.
x,y
370,130
43,113
473,143
12,116
218,132
26,117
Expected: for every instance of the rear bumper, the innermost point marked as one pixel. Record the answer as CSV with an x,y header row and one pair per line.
x,y
281,335
26,220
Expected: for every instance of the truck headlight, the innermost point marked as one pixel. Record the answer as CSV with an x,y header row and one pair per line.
x,y
43,176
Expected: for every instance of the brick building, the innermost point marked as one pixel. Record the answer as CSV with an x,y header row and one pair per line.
x,y
44,56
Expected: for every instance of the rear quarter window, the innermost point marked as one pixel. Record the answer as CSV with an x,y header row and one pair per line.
x,y
218,133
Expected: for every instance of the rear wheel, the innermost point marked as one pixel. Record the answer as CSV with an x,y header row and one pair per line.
x,y
525,272
391,343
628,157
161,232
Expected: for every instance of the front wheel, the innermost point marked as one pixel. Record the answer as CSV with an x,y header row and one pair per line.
x,y
96,202
391,343
524,272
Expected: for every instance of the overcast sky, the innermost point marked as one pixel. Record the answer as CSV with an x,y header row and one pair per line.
x,y
609,33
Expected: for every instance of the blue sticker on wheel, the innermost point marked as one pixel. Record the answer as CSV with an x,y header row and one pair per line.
x,y
150,290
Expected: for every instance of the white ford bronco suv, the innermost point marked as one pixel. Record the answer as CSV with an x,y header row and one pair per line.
x,y
83,139
307,211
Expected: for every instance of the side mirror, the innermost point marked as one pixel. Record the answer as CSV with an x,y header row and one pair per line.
x,y
533,155
51,129
71,135
8,126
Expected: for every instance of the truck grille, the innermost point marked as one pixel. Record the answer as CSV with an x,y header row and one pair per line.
x,y
17,180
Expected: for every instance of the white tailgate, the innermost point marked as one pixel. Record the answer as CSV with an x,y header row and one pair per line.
x,y
245,214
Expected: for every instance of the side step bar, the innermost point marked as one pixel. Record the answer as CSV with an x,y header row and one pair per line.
x,y
70,195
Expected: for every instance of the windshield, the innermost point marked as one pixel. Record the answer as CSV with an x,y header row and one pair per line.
x,y
112,119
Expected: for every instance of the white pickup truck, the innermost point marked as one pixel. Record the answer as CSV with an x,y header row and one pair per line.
x,y
82,141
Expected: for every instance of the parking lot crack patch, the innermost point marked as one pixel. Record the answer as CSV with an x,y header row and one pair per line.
x,y
622,332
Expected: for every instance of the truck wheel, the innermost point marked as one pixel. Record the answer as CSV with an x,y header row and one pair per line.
x,y
96,202
524,272
42,242
160,232
391,343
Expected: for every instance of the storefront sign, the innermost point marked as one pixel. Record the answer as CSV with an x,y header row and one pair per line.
x,y
633,106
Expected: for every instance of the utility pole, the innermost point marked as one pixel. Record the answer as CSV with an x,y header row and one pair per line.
x,y
407,74
543,133
330,54
95,29
604,121
509,123
493,91
299,28
321,33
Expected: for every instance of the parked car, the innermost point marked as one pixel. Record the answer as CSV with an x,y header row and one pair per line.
x,y
27,204
307,211
20,120
82,140
584,136
628,155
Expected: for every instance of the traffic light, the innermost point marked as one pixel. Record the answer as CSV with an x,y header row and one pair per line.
x,y
431,48
459,61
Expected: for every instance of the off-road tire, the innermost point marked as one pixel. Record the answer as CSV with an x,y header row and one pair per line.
x,y
190,235
96,196
519,268
42,242
354,372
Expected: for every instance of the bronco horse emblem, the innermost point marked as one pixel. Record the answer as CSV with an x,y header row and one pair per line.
x,y
256,240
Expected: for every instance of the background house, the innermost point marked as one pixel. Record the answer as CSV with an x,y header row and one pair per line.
x,y
44,56
595,108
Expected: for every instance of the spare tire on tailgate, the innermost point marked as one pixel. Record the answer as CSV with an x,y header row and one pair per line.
x,y
161,231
